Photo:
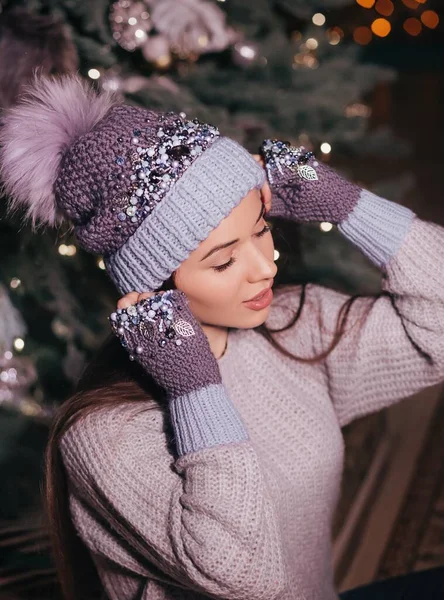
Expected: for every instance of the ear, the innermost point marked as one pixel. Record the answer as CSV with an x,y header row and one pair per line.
x,y
266,196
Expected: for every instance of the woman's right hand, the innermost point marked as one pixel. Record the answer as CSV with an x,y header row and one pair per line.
x,y
159,331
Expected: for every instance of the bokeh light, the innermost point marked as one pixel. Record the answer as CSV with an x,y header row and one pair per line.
x,y
430,19
318,19
381,27
412,4
385,7
412,26
362,35
366,3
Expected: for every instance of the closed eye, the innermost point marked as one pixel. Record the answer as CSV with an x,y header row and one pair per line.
x,y
232,260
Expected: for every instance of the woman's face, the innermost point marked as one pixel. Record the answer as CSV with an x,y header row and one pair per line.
x,y
217,282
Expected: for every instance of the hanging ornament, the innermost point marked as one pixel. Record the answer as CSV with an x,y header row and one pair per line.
x,y
156,49
246,54
131,23
192,27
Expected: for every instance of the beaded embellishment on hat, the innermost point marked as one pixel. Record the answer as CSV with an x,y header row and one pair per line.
x,y
157,310
156,168
279,154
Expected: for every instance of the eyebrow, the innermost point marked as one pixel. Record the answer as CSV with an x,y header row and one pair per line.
x,y
227,244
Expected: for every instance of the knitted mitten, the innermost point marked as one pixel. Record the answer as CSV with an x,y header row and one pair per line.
x,y
304,189
164,337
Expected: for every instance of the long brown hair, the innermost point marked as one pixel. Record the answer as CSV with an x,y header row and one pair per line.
x,y
111,378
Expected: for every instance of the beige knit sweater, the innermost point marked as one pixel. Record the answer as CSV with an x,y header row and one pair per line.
x,y
251,520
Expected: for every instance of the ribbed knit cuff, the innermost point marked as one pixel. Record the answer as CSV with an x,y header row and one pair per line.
x,y
377,226
201,198
205,418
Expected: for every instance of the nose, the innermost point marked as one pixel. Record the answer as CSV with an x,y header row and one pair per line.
x,y
260,266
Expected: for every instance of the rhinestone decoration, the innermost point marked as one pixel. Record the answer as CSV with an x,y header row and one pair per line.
x,y
156,168
158,310
279,154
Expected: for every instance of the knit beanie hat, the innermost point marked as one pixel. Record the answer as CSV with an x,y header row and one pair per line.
x,y
141,188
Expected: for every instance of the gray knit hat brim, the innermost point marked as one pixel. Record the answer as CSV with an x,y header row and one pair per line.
x,y
204,195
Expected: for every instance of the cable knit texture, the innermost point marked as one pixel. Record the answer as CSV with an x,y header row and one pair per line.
x,y
252,519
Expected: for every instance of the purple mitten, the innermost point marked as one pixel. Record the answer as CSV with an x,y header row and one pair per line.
x,y
162,334
304,189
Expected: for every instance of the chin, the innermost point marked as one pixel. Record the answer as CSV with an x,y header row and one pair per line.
x,y
254,319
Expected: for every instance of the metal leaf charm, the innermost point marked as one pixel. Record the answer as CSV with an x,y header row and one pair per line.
x,y
183,328
145,329
307,172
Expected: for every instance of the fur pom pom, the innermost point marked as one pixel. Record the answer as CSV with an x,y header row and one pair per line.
x,y
34,135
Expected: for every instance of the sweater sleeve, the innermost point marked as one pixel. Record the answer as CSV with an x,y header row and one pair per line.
x,y
392,347
204,519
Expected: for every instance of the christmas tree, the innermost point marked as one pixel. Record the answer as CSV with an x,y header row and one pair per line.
x,y
255,69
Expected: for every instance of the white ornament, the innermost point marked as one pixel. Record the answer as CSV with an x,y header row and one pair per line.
x,y
156,48
192,26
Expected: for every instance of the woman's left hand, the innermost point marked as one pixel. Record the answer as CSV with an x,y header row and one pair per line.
x,y
265,189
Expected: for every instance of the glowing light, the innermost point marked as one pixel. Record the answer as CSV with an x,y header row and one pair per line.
x,y
140,34
247,52
276,255
357,109
325,226
312,43
335,35
101,264
412,26
65,250
412,4
365,3
14,283
318,19
430,19
163,61
19,344
362,35
381,27
325,148
385,7
132,21
8,355
94,73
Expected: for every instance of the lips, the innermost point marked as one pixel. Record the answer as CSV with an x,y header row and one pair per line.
x,y
259,296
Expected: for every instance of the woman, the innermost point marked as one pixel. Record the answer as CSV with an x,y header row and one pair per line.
x,y
199,459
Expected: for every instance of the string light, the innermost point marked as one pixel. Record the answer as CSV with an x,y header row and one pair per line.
x,y
358,109
362,35
325,148
94,74
412,4
318,19
65,250
335,35
325,226
430,19
381,27
385,7
366,3
412,26
18,344
15,283
312,43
